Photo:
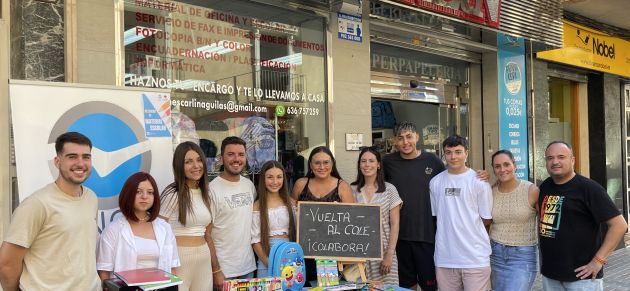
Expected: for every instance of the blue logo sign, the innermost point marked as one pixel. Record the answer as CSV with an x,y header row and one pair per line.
x,y
513,102
119,147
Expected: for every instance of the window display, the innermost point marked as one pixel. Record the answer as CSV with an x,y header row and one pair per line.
x,y
233,68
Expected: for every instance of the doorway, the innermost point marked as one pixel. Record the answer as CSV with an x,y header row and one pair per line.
x,y
626,134
434,122
567,103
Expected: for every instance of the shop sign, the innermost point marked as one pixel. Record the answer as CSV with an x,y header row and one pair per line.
x,y
485,12
407,66
350,27
354,141
431,135
202,43
117,121
591,49
513,101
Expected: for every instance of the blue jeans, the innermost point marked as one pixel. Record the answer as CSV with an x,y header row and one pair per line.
x,y
513,268
262,269
579,285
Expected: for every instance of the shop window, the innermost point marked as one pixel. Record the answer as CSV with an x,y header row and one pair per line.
x,y
234,68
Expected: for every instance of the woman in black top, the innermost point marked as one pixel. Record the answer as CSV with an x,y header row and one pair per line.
x,y
321,184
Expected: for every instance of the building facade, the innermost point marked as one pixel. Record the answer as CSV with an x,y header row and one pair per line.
x,y
587,96
287,76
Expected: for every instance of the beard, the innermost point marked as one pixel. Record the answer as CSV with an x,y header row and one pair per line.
x,y
232,170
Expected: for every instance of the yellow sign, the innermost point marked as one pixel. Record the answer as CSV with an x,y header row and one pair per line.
x,y
588,48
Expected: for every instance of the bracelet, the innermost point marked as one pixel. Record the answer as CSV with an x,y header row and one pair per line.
x,y
214,272
600,260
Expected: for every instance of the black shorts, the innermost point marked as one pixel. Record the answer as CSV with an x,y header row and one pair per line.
x,y
415,264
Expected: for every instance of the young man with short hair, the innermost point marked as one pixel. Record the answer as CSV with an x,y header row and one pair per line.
x,y
51,242
572,209
410,170
232,198
463,206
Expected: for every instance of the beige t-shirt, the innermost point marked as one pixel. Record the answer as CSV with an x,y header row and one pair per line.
x,y
60,233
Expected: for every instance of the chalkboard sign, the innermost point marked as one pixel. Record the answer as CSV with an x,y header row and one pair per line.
x,y
340,230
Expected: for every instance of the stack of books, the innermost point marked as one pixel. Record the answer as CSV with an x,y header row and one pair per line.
x,y
327,273
255,284
148,279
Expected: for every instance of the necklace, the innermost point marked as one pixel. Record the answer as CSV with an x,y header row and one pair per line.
x,y
145,218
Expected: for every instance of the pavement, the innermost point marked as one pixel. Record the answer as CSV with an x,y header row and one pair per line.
x,y
616,272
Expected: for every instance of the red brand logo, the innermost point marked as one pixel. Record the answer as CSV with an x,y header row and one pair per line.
x,y
485,12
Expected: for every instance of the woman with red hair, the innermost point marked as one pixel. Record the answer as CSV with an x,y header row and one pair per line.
x,y
139,238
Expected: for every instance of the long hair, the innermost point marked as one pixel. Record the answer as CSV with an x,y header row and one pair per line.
x,y
323,149
127,196
263,205
184,200
380,177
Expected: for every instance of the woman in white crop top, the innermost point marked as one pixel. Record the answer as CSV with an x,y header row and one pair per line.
x,y
513,231
139,239
186,207
273,219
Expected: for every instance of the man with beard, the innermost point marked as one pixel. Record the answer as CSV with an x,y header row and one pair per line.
x,y
232,199
52,238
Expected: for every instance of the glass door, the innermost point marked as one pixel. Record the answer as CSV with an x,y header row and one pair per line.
x,y
447,122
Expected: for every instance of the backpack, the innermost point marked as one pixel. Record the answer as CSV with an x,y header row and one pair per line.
x,y
286,260
382,115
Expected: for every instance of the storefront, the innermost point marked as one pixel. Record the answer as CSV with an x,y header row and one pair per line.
x,y
190,71
234,68
588,101
287,76
447,67
420,72
429,90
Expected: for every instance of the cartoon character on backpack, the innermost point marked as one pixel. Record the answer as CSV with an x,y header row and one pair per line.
x,y
286,260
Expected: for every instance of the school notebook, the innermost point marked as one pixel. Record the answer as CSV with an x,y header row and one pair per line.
x,y
143,276
173,282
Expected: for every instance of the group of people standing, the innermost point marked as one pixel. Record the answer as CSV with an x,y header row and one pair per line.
x,y
442,225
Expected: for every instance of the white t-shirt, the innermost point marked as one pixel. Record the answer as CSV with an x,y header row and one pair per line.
x,y
232,206
460,202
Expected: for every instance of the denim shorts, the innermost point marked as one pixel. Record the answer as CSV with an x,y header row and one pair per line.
x,y
579,285
514,268
262,269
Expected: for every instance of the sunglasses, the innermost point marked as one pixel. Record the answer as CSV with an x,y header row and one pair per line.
x,y
368,148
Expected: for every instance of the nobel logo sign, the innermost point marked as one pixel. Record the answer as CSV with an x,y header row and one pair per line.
x,y
588,48
602,49
484,12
